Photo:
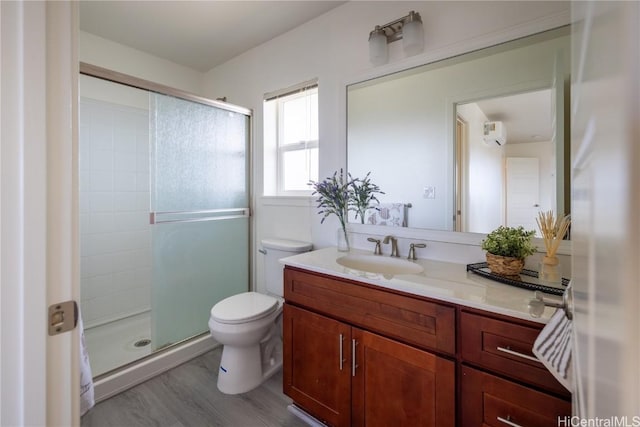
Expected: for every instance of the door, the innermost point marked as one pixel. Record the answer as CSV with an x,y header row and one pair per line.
x,y
523,192
317,364
605,205
396,384
39,374
200,213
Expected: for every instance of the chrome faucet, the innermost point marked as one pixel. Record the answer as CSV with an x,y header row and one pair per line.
x,y
412,250
377,250
394,245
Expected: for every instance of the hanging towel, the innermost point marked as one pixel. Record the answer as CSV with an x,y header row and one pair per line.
x,y
391,214
553,347
87,400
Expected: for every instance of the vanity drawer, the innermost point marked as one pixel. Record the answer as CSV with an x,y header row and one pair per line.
x,y
413,320
505,348
496,402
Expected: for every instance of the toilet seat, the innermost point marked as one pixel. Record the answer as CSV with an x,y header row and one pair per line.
x,y
243,308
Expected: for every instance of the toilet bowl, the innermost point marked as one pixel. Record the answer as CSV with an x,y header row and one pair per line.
x,y
248,325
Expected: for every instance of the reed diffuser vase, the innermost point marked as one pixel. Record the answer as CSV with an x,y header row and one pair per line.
x,y
549,271
553,230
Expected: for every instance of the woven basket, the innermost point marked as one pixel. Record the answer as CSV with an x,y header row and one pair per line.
x,y
504,265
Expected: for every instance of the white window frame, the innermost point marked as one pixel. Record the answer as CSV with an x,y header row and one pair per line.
x,y
290,93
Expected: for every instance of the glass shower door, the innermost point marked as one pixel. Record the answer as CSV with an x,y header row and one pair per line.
x,y
199,212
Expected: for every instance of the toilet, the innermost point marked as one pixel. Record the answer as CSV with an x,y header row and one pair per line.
x,y
248,324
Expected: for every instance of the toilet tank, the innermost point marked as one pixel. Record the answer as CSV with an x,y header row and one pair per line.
x,y
274,250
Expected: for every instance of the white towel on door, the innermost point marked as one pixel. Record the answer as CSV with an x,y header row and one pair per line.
x,y
87,399
553,347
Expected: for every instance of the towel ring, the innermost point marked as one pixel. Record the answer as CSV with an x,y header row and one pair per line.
x,y
537,305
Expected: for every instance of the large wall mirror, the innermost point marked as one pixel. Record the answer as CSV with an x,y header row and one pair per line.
x,y
471,142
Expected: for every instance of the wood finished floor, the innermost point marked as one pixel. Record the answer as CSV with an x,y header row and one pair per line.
x,y
187,396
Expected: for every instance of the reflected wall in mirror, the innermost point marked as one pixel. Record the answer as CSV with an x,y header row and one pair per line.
x,y
421,134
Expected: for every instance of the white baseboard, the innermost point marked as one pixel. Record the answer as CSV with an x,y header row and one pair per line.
x,y
309,419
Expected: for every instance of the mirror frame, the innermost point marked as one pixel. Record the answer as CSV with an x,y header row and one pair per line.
x,y
460,48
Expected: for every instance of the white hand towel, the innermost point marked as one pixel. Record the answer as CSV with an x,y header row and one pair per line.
x,y
390,214
553,347
86,380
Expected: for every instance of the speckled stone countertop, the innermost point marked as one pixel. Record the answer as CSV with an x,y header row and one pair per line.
x,y
443,281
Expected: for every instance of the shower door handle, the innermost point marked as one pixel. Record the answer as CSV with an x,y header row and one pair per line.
x,y
197,216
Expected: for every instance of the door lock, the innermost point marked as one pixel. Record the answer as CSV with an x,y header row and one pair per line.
x,y
63,317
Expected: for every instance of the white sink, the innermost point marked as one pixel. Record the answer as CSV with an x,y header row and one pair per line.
x,y
380,264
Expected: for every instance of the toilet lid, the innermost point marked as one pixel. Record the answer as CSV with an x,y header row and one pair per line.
x,y
244,307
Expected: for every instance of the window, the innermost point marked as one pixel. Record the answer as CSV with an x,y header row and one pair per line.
x,y
291,139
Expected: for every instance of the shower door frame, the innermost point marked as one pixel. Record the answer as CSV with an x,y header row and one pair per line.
x,y
138,83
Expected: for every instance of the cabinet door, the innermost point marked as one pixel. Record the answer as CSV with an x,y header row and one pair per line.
x,y
396,384
317,365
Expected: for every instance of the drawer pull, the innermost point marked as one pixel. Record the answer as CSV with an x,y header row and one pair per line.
x,y
517,353
340,340
508,421
354,343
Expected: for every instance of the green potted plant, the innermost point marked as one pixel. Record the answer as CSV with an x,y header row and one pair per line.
x,y
507,247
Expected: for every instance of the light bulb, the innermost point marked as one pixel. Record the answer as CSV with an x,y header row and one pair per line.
x,y
378,53
413,35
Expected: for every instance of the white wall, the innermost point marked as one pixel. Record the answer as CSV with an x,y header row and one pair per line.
x,y
114,56
483,204
333,48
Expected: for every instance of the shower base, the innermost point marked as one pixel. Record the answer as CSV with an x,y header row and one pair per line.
x,y
118,343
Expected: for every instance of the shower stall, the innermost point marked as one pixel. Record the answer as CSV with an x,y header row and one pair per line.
x,y
164,215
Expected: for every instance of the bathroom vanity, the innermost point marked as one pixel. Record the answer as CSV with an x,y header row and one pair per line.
x,y
438,348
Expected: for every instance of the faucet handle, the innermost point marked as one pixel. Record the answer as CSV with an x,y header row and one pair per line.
x,y
377,250
412,250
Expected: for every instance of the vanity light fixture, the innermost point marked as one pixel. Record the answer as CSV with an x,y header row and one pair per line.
x,y
408,28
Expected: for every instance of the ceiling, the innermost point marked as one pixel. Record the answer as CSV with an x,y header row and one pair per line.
x,y
527,117
197,34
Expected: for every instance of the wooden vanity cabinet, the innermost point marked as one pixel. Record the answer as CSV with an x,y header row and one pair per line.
x,y
343,368
361,355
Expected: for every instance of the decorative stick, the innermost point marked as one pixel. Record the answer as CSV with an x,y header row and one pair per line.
x,y
553,230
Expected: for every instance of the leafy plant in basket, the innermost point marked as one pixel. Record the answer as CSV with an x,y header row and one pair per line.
x,y
507,247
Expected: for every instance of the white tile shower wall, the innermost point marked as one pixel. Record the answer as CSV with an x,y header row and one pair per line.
x,y
115,235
